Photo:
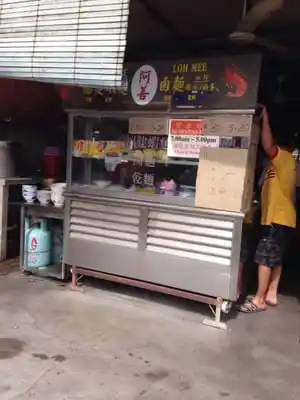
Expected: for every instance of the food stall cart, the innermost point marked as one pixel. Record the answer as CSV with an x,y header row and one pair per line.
x,y
133,213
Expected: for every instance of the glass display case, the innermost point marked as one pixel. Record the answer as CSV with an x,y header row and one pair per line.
x,y
106,155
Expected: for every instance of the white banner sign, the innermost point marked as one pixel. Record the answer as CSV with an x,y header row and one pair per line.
x,y
189,146
186,138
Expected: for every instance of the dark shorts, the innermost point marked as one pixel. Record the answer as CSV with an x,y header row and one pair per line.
x,y
272,244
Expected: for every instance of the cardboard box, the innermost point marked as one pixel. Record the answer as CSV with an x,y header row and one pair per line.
x,y
225,178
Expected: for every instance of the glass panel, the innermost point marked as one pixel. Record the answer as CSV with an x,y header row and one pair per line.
x,y
79,163
79,128
78,171
110,158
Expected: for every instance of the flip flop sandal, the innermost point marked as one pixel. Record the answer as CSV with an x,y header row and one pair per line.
x,y
250,308
268,303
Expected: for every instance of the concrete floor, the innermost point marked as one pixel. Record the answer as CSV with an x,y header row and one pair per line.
x,y
103,344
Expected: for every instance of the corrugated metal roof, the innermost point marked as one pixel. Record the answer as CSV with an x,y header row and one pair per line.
x,y
76,41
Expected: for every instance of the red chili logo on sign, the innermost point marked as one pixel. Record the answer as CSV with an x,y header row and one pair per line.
x,y
33,243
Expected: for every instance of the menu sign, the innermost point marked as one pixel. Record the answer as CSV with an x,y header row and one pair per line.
x,y
208,83
233,125
147,148
140,142
148,126
186,138
188,127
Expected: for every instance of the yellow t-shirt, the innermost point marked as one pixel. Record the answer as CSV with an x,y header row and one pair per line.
x,y
277,196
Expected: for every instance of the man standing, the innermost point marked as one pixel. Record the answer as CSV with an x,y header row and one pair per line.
x,y
278,218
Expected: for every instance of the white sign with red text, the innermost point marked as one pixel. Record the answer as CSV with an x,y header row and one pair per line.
x,y
186,138
144,85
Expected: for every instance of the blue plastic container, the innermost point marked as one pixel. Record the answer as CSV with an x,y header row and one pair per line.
x,y
37,244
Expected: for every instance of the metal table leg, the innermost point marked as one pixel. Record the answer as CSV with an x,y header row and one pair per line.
x,y
22,237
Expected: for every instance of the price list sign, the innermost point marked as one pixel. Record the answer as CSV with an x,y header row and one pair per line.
x,y
228,125
186,138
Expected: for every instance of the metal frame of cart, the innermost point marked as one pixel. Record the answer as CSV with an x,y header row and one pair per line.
x,y
134,250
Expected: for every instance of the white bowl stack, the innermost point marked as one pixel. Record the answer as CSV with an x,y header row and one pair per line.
x,y
29,193
44,197
57,194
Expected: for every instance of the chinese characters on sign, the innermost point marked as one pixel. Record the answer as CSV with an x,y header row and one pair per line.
x,y
212,83
140,178
144,179
97,149
186,138
190,79
193,78
186,127
147,148
140,142
148,126
228,125
144,85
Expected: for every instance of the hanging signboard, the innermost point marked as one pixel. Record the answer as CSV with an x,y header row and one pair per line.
x,y
144,85
221,82
207,83
186,138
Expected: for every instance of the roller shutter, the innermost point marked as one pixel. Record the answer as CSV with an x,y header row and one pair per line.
x,y
64,41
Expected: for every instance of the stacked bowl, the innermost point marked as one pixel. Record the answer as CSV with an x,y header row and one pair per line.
x,y
44,197
57,194
29,193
